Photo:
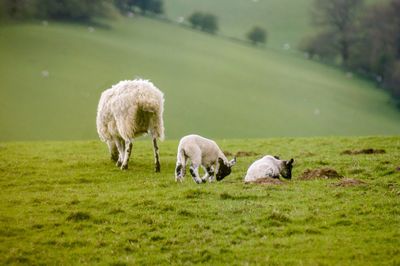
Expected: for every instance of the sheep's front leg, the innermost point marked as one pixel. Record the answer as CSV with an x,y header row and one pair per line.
x,y
127,154
156,156
194,171
210,173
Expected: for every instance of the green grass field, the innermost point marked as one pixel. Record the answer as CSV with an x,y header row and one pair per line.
x,y
212,86
286,21
66,203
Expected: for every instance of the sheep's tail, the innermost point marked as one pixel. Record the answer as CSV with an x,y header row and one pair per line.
x,y
156,126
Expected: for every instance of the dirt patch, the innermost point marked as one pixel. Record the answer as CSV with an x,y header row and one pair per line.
x,y
349,182
241,153
228,153
363,151
267,181
246,154
323,173
398,168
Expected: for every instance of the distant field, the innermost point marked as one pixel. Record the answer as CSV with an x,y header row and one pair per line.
x,y
51,78
66,203
287,21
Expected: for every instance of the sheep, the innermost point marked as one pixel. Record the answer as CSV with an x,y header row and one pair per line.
x,y
127,110
205,153
269,166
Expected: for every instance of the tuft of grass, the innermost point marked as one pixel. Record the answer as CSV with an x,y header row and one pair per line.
x,y
78,216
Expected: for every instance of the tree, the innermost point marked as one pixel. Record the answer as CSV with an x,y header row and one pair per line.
x,y
338,17
204,21
152,6
257,35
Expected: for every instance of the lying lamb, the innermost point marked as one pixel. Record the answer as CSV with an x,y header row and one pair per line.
x,y
128,110
269,166
205,153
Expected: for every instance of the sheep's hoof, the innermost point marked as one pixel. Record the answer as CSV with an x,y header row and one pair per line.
x,y
124,167
158,168
178,179
204,180
118,164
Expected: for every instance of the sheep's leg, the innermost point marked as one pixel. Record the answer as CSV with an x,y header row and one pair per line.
x,y
127,154
206,175
156,156
210,173
121,150
194,171
112,147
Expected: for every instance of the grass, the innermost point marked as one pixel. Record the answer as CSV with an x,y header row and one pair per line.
x,y
65,203
212,86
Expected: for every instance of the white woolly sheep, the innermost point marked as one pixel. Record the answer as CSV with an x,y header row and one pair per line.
x,y
205,153
269,166
129,109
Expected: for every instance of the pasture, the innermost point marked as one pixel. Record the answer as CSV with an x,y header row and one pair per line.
x,y
52,76
66,203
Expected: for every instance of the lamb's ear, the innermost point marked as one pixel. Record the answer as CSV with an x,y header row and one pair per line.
x,y
290,161
220,161
276,157
232,162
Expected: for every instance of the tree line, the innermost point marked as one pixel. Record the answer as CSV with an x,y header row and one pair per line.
x,y
362,38
82,10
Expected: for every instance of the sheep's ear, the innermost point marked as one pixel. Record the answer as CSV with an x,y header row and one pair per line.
x,y
276,157
291,161
232,162
220,161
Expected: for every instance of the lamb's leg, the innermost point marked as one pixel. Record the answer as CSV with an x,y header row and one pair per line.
x,y
121,151
127,154
156,156
206,175
194,171
112,147
180,166
210,173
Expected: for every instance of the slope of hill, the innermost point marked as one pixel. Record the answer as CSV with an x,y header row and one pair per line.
x,y
286,21
52,76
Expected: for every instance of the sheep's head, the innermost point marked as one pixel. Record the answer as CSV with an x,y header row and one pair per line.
x,y
286,170
224,168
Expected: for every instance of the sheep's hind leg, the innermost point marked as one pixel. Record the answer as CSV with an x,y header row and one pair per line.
x,y
210,173
121,151
112,147
194,171
127,154
156,156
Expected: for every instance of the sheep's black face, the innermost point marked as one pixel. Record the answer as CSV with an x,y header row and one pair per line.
x,y
286,171
224,169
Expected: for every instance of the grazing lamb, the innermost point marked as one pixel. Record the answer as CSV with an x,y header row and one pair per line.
x,y
205,153
269,166
129,109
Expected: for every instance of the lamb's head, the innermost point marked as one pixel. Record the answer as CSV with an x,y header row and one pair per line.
x,y
286,170
224,168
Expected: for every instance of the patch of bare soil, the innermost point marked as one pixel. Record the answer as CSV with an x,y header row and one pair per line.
x,y
267,181
349,182
241,153
246,153
398,168
363,151
323,173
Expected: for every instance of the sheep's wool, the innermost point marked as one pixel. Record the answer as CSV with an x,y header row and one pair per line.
x,y
130,109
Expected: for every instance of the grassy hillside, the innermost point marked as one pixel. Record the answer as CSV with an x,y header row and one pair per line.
x,y
65,203
286,21
52,76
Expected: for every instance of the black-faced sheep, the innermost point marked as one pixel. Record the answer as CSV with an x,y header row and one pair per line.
x,y
129,109
205,153
269,166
